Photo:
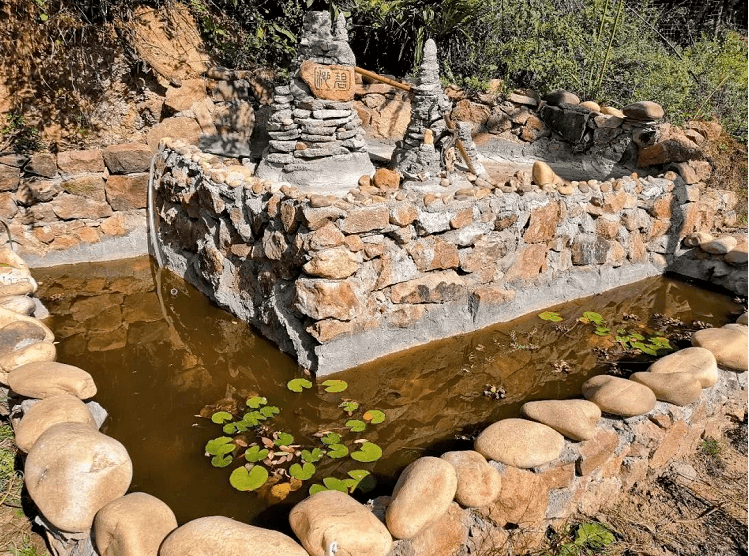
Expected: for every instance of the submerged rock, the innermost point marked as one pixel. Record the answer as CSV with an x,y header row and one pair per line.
x,y
697,361
479,483
520,443
575,419
619,396
60,408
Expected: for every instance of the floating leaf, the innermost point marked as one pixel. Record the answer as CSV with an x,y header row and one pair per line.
x,y
311,457
270,411
551,316
298,384
374,416
221,417
362,480
221,461
254,454
337,451
219,446
230,428
367,453
593,317
256,401
622,340
302,472
284,439
602,331
636,336
245,480
314,489
349,406
334,386
643,348
251,419
355,425
331,438
662,343
335,484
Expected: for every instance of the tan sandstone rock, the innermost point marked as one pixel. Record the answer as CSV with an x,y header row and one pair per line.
x,y
697,361
645,110
743,319
728,345
675,388
21,304
543,174
336,263
719,246
520,443
479,483
575,419
421,496
72,471
44,379
619,396
61,408
134,525
214,535
334,517
39,352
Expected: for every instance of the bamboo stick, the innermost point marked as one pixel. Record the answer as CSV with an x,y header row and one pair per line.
x,y
382,79
458,143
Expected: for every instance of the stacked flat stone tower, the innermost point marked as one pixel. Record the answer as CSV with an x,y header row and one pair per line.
x,y
316,138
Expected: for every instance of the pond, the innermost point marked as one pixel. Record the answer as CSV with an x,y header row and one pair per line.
x,y
161,354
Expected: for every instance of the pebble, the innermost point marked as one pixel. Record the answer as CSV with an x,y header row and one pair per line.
x,y
520,443
697,361
575,419
675,388
479,483
619,396
728,345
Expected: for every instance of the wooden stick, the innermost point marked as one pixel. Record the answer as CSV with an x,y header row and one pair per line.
x,y
458,143
382,79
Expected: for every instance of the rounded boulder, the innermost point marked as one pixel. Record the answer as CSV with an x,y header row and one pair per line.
x,y
134,525
421,496
21,304
675,388
542,174
619,396
38,352
698,362
728,345
645,110
575,419
334,517
214,535
44,379
72,471
520,443
479,483
61,408
560,96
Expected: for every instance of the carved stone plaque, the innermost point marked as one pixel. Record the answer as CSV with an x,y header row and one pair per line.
x,y
328,82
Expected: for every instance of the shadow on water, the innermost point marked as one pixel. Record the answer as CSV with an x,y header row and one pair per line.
x,y
160,353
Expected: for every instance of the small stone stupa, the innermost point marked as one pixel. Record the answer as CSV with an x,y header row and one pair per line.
x,y
316,138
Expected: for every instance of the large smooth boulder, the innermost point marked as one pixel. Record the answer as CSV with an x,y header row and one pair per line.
x,y
479,483
334,517
17,335
217,535
675,388
72,471
61,408
520,443
645,110
619,396
134,525
575,419
728,345
39,352
7,317
421,496
41,380
697,361
21,304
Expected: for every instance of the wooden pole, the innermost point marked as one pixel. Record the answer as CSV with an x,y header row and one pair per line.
x,y
458,143
382,79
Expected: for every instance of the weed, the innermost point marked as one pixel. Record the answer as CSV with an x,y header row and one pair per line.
x,y
711,447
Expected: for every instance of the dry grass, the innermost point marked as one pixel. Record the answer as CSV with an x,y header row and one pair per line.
x,y
729,158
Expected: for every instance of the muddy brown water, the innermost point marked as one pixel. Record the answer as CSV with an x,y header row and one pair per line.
x,y
159,352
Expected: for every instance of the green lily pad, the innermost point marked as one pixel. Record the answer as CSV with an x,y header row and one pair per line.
x,y
662,343
230,428
298,384
367,453
256,401
337,451
302,472
335,484
362,480
374,416
221,417
252,419
269,411
643,348
284,439
314,489
550,316
602,331
331,438
245,480
219,446
593,317
254,453
221,461
334,386
312,456
355,425
349,406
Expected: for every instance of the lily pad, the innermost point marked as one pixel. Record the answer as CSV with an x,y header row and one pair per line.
x,y
253,418
312,456
245,480
362,480
256,401
230,428
550,316
334,386
284,439
337,451
221,417
331,438
355,425
367,453
593,317
374,416
221,461
349,406
219,446
314,489
335,484
269,411
298,384
254,454
302,472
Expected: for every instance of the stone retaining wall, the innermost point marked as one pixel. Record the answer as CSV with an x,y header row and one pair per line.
x,y
337,281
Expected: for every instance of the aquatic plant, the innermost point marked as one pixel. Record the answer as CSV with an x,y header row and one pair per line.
x,y
368,452
247,479
374,416
298,384
355,425
335,386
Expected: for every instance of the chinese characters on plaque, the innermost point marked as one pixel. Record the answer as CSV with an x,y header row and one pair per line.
x,y
328,82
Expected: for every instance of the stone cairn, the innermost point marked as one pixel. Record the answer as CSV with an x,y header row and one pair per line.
x,y
425,151
316,138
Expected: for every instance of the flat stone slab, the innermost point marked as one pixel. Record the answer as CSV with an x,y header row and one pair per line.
x,y
675,388
520,443
619,396
728,345
697,361
575,419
